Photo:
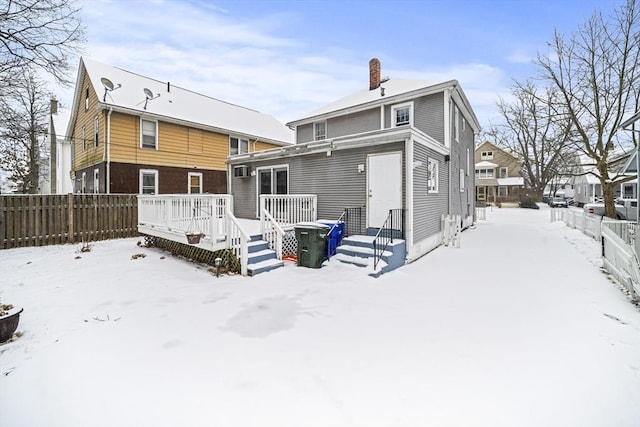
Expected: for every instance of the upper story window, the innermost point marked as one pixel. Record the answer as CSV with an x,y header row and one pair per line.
x,y
401,115
84,138
504,172
432,176
456,123
238,146
484,173
486,155
149,134
95,131
319,131
86,99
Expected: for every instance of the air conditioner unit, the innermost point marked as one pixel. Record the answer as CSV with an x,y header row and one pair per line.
x,y
241,171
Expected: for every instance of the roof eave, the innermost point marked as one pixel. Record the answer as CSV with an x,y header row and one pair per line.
x,y
429,90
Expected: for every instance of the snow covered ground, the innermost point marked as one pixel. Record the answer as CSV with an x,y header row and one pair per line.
x,y
518,327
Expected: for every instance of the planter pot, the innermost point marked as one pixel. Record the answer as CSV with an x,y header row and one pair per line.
x,y
9,323
194,239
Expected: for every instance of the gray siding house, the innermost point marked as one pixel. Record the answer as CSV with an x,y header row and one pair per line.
x,y
398,144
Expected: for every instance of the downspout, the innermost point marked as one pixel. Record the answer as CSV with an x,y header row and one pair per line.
x,y
107,182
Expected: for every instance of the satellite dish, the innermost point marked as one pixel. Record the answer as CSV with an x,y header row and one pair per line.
x,y
148,93
107,83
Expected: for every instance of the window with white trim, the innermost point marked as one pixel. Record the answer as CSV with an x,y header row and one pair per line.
x,y
468,161
149,134
464,124
432,176
456,123
238,146
486,155
195,183
462,174
83,187
86,99
319,131
502,191
484,173
148,181
504,172
95,131
96,180
401,115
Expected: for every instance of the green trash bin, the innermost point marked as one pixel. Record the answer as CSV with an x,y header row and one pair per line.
x,y
312,241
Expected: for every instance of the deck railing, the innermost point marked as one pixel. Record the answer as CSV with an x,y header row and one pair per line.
x,y
271,232
186,213
237,241
287,209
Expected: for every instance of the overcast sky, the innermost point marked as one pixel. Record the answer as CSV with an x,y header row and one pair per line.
x,y
286,58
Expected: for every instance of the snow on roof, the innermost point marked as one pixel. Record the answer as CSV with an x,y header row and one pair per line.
x,y
182,104
485,164
392,87
514,180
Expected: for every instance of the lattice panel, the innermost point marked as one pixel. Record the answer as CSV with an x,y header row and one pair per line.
x,y
289,243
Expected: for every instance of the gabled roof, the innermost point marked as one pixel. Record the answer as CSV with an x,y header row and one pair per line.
x,y
494,147
176,104
390,91
486,164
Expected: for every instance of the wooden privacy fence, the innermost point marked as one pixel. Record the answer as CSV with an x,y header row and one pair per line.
x,y
39,220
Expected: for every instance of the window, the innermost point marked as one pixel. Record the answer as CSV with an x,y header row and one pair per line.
x,y
484,173
486,155
481,193
502,191
195,183
149,133
462,180
456,123
86,99
504,172
464,124
83,187
148,181
84,138
238,146
468,161
95,132
401,115
96,180
319,131
432,176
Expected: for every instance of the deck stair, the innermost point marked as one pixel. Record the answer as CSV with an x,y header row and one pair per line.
x,y
358,250
261,258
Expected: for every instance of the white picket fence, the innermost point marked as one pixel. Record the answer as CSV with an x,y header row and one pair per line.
x,y
618,239
451,229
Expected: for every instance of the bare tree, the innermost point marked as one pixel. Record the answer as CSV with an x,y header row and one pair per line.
x,y
596,73
24,109
41,35
536,132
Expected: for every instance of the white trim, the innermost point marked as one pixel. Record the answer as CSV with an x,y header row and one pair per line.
x,y
456,123
409,208
447,117
148,172
462,175
435,188
396,107
315,135
240,140
157,144
189,175
83,185
382,116
96,131
96,180
272,168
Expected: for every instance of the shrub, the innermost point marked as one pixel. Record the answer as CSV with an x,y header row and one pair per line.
x,y
529,204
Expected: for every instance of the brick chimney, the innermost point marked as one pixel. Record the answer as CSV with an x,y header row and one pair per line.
x,y
374,74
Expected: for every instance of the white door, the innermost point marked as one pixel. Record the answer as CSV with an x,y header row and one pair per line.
x,y
384,182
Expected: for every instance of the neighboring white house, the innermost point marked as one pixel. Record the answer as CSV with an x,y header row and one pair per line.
x,y
55,167
586,184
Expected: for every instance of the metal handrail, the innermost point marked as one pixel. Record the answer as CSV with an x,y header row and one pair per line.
x,y
353,221
393,222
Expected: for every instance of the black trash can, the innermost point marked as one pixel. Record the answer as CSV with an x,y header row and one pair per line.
x,y
312,241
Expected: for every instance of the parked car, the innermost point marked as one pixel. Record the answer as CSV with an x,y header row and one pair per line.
x,y
625,209
558,202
